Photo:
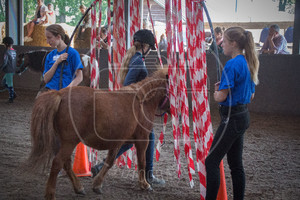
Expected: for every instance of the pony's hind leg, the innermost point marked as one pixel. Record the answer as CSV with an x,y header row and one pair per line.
x,y
57,164
109,161
78,188
51,184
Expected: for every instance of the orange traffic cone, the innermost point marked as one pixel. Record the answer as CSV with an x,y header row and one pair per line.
x,y
81,161
222,194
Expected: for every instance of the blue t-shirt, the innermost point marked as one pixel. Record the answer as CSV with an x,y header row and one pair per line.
x,y
73,63
237,77
137,70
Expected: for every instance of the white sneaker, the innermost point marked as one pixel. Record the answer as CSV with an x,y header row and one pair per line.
x,y
27,39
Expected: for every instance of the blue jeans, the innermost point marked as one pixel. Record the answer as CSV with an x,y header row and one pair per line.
x,y
229,139
149,154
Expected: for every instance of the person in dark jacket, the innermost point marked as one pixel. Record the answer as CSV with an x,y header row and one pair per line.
x,y
9,67
134,70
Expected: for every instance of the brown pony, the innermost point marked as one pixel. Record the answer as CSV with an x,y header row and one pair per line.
x,y
100,119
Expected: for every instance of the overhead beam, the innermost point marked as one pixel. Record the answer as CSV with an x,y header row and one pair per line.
x,y
251,25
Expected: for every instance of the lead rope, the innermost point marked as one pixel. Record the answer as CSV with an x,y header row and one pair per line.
x,y
63,63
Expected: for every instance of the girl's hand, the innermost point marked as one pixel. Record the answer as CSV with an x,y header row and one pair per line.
x,y
62,57
217,86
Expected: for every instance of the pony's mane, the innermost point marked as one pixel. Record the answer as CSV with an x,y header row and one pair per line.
x,y
148,88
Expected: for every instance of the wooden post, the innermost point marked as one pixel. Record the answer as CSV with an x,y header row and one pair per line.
x,y
296,33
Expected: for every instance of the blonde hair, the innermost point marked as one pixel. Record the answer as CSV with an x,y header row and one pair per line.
x,y
125,64
244,40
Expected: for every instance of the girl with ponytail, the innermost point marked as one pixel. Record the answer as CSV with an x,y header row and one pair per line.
x,y
72,71
234,91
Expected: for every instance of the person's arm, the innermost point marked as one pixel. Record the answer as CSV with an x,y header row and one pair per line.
x,y
252,90
265,47
271,45
86,22
252,96
49,74
220,95
5,60
103,44
279,45
76,68
77,80
35,15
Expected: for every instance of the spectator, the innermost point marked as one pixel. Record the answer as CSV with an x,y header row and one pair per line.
x,y
9,67
85,23
50,17
275,42
39,19
162,46
103,38
219,40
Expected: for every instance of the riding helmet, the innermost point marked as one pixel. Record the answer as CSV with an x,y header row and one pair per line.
x,y
145,36
8,41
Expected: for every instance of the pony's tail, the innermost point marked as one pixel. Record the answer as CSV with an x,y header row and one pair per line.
x,y
44,140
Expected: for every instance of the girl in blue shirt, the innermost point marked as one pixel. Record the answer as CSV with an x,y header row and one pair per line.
x,y
233,92
134,70
72,71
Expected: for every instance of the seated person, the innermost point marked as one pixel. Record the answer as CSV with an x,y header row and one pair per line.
x,y
39,18
85,23
50,17
219,40
103,38
275,42
162,45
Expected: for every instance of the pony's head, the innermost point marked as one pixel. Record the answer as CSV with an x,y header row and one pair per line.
x,y
34,60
22,63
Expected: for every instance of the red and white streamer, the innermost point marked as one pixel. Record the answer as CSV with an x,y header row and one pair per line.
x,y
161,138
171,50
184,100
135,19
135,24
99,31
119,44
93,61
154,33
197,63
110,70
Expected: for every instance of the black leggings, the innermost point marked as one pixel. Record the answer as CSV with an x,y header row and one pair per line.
x,y
228,140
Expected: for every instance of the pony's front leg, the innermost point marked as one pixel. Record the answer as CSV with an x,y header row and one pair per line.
x,y
141,147
109,161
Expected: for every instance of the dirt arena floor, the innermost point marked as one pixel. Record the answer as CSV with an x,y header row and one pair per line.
x,y
271,159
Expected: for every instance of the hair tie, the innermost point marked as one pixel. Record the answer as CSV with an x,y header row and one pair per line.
x,y
246,32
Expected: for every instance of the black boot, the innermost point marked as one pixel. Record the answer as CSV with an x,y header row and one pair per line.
x,y
12,95
97,168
